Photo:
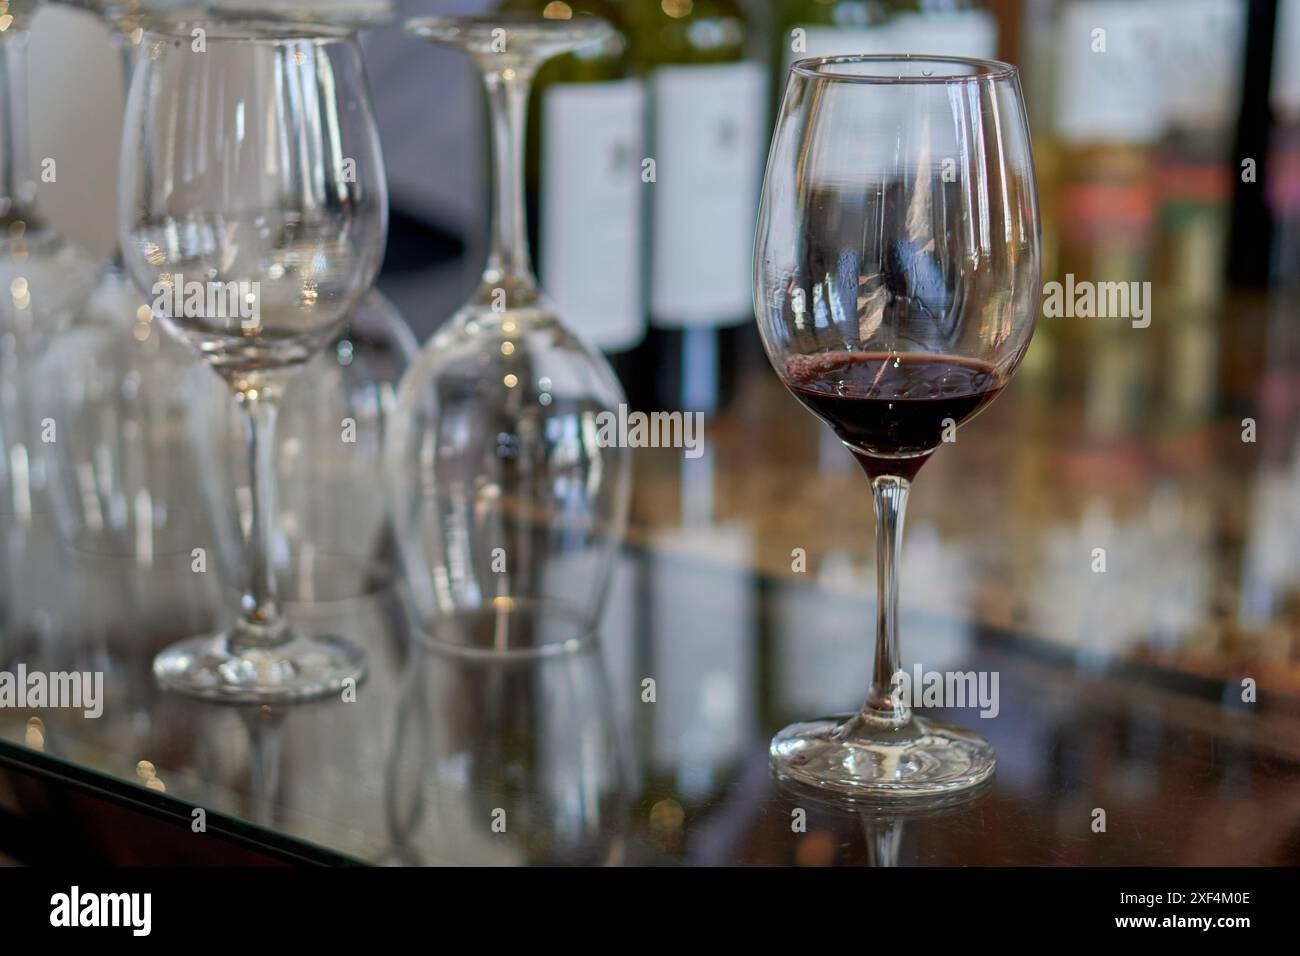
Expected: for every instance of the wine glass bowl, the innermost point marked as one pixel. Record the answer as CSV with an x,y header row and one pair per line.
x,y
508,507
896,283
269,194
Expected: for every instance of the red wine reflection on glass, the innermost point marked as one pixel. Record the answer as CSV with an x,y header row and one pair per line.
x,y
897,275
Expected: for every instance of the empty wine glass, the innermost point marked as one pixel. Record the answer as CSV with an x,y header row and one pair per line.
x,y
896,284
253,210
507,502
332,418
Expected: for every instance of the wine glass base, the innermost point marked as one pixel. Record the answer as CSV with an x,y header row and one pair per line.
x,y
841,756
219,668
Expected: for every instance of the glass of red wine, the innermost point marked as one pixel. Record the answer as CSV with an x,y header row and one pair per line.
x,y
897,276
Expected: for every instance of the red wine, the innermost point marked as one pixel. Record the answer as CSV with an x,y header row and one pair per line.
x,y
892,408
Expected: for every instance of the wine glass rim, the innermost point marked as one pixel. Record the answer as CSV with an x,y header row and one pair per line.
x,y
252,30
977,70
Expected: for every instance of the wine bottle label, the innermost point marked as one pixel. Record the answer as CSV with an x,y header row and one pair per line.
x,y
971,33
709,124
807,41
1108,89
1286,60
592,147
1200,48
964,33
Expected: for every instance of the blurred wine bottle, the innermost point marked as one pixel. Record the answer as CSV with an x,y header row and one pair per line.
x,y
585,144
809,28
1100,160
1283,174
1280,399
1200,58
708,128
1202,43
944,28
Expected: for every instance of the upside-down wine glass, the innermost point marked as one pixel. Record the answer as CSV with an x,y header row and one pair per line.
x,y
253,210
121,476
507,501
896,284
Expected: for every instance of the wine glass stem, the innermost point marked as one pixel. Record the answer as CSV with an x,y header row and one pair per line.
x,y
261,623
16,175
508,262
883,704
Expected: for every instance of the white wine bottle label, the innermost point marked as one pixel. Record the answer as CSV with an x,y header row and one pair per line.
x,y
1201,46
807,41
709,123
1108,89
592,147
972,33
1285,95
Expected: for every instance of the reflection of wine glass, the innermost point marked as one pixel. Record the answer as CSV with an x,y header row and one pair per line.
x,y
507,501
897,275
882,821
506,760
253,211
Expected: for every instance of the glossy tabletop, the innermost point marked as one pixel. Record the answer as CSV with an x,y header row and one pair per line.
x,y
1112,545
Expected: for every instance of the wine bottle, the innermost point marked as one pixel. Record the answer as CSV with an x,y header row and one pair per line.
x,y
707,131
1109,115
1280,389
1283,173
585,144
1200,63
943,28
1200,58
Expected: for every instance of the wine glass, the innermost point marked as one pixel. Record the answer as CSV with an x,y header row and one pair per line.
x,y
253,210
332,418
507,501
896,284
